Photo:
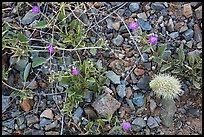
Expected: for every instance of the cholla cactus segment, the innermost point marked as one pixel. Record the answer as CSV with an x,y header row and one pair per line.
x,y
166,86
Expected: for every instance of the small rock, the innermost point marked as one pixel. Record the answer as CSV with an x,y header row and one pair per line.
x,y
194,53
88,96
188,34
129,92
8,123
5,100
116,25
152,105
47,114
157,118
199,45
131,105
142,16
52,133
32,119
21,64
197,34
37,126
51,126
84,19
109,23
157,6
144,25
134,6
77,115
118,40
29,18
198,12
183,29
139,72
187,10
170,25
174,35
166,54
161,18
26,105
189,44
34,132
145,57
121,12
139,121
138,99
23,126
121,90
143,83
45,121
93,40
20,120
91,114
113,77
133,78
151,122
128,13
192,112
106,105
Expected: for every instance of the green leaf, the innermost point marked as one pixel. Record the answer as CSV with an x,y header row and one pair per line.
x,y
191,60
165,67
161,50
41,24
146,48
93,51
64,80
38,61
73,24
196,84
91,79
158,60
176,71
26,72
181,55
100,122
22,38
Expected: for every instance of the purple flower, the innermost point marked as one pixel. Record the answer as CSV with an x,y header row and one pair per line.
x,y
36,9
75,72
153,39
133,25
51,49
126,125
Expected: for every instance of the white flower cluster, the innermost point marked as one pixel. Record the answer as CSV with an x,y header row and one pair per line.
x,y
166,86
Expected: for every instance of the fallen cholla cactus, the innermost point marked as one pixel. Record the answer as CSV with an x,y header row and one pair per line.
x,y
166,86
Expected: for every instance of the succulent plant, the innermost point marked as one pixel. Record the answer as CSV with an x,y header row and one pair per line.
x,y
166,86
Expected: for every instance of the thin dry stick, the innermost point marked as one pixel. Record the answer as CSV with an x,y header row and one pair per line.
x,y
76,16
130,36
61,132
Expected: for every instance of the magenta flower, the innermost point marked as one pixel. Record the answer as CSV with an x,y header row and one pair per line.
x,y
51,49
126,125
75,72
36,9
153,40
133,25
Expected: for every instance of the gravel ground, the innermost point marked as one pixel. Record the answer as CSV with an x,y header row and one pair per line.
x,y
179,24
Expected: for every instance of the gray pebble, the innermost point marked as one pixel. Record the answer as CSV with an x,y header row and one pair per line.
x,y
139,121
134,6
151,122
118,40
113,77
157,6
188,34
138,99
174,35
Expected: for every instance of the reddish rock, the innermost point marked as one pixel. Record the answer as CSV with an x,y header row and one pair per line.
x,y
187,10
139,72
47,114
129,92
183,28
106,105
26,105
142,15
